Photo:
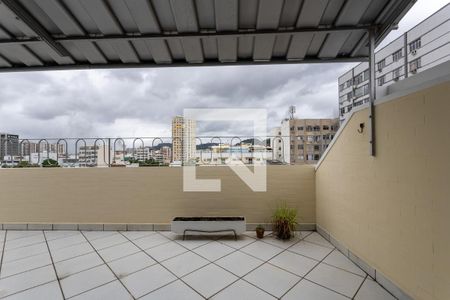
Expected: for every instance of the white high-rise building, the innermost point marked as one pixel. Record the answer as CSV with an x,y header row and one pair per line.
x,y
276,143
183,140
424,46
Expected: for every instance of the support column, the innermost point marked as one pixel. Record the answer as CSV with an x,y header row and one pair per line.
x,y
372,90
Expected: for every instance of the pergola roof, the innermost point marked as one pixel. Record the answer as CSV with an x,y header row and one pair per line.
x,y
64,34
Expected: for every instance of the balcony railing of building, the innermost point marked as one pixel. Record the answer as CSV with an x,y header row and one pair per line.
x,y
161,151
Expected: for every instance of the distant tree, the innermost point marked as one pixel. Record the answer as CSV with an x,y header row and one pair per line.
x,y
50,163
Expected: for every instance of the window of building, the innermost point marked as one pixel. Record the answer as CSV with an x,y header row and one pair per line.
x,y
396,73
366,75
310,157
309,128
349,83
414,45
381,64
342,111
415,65
316,156
341,87
292,128
310,138
358,103
326,127
300,147
381,80
358,78
300,128
316,147
349,96
359,92
301,157
316,128
349,108
397,55
366,89
292,147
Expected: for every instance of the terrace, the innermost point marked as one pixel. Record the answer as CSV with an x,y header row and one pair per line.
x,y
373,212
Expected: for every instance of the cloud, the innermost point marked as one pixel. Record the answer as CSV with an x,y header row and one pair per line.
x,y
142,102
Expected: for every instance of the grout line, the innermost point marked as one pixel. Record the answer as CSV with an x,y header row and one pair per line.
x,y
108,265
53,265
88,290
27,289
159,263
362,282
3,250
35,232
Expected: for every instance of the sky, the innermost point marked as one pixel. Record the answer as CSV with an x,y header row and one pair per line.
x,y
142,102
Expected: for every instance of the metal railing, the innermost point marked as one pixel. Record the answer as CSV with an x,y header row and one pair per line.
x,y
161,151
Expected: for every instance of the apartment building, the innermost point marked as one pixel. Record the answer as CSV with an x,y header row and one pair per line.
x,y
305,140
424,46
93,156
32,147
9,145
183,139
276,143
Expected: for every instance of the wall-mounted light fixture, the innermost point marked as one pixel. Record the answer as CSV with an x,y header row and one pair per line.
x,y
361,128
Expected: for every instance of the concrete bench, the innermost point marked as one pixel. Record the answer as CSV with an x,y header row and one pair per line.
x,y
183,225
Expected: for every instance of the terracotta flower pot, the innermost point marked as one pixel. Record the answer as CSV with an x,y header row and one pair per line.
x,y
259,233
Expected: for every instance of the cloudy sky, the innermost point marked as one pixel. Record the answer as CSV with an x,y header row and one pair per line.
x,y
130,102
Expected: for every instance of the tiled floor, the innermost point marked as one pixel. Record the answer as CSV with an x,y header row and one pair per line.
x,y
160,265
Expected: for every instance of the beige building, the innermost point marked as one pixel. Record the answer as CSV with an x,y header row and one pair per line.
x,y
183,139
305,140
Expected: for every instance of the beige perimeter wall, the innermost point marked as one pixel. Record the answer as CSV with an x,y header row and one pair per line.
x,y
394,210
146,195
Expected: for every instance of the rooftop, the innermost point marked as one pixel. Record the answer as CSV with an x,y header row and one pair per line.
x,y
160,265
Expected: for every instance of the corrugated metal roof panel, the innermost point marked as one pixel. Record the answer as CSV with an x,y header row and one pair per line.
x,y
97,33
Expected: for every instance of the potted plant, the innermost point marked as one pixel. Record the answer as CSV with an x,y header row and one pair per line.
x,y
259,231
284,220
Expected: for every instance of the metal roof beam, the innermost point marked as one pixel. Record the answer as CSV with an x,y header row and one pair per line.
x,y
176,64
34,25
169,36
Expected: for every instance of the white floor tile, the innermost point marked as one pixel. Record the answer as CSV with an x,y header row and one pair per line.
x,y
171,235
185,263
111,291
66,242
337,259
151,241
335,279
295,263
239,263
23,281
311,250
94,235
306,290
242,290
147,280
77,264
23,252
86,280
261,250
173,291
108,241
166,251
318,239
192,243
209,280
281,243
71,251
18,234
370,290
272,279
118,251
51,235
213,251
43,292
25,264
242,241
130,264
132,235
25,241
